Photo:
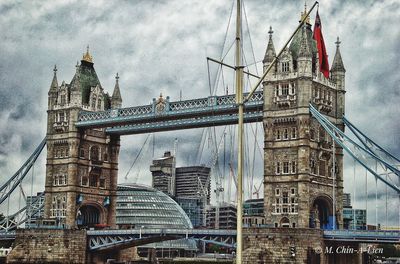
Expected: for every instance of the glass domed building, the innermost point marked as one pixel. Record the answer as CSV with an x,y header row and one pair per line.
x,y
140,206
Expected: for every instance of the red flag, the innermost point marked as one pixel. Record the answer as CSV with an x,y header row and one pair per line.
x,y
323,57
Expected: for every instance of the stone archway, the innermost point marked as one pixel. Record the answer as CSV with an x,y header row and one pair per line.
x,y
89,215
321,212
284,222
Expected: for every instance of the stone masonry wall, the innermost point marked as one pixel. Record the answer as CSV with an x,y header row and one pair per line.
x,y
272,245
48,246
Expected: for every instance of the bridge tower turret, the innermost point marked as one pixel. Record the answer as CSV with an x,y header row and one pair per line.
x,y
82,165
298,174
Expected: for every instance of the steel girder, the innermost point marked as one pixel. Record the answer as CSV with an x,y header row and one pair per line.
x,y
356,151
106,239
7,188
376,236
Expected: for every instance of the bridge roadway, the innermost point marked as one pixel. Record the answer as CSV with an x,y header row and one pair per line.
x,y
124,238
163,115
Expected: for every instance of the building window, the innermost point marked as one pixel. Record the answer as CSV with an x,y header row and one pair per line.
x,y
293,88
93,180
81,153
293,200
94,153
276,90
61,117
285,167
285,199
99,104
292,191
285,89
313,167
94,102
285,134
63,99
276,224
293,225
285,66
312,134
102,183
278,134
294,166
277,200
294,132
277,191
84,181
278,168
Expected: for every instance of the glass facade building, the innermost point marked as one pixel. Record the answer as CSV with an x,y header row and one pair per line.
x,y
144,207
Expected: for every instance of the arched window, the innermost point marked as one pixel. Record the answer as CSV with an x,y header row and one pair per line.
x,y
94,153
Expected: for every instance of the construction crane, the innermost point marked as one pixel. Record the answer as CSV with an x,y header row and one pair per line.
x,y
257,190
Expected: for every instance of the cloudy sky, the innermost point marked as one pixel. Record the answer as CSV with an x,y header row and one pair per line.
x,y
161,46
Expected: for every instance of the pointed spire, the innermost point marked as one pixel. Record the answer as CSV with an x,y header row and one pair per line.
x,y
304,50
337,64
54,82
270,52
302,15
116,99
87,57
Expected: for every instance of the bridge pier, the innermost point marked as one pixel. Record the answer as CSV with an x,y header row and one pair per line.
x,y
297,245
61,246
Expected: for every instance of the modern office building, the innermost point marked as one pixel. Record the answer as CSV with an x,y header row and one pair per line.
x,y
353,219
227,217
189,186
253,213
346,200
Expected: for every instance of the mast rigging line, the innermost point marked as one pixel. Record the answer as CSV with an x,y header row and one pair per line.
x,y
137,156
247,98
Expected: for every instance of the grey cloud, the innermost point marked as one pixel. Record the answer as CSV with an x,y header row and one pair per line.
x,y
161,47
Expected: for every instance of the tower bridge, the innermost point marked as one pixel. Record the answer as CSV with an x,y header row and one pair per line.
x,y
301,105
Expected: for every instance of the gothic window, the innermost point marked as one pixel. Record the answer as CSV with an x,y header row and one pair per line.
x,y
61,117
294,132
285,199
276,90
276,224
293,224
58,207
285,209
62,153
81,153
93,180
292,88
285,134
313,167
322,167
278,134
277,192
294,166
285,66
55,180
94,102
285,167
99,103
285,89
94,153
102,183
292,191
278,168
105,156
277,200
293,200
84,181
63,99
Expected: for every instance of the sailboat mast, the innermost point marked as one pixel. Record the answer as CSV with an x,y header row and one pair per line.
x,y
239,101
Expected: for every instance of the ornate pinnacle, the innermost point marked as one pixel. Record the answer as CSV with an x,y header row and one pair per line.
x,y
337,42
270,32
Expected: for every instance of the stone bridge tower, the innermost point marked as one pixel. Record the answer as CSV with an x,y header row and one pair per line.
x,y
82,165
298,179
